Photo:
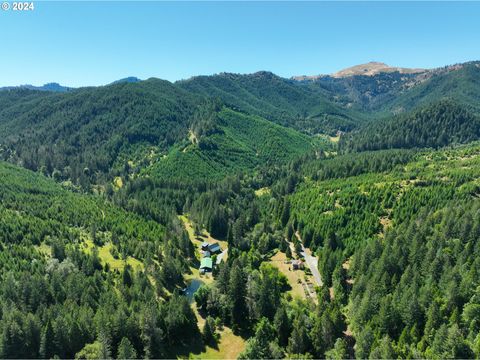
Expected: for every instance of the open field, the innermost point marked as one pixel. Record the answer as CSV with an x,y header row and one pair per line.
x,y
295,277
228,347
106,257
104,253
195,274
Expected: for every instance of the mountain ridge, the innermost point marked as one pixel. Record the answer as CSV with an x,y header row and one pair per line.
x,y
52,87
368,69
90,135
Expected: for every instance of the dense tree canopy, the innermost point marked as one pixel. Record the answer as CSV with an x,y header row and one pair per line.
x,y
99,245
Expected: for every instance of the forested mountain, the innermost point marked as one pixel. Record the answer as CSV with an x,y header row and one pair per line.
x,y
435,125
91,135
367,93
283,101
346,210
394,92
460,83
229,142
263,93
90,132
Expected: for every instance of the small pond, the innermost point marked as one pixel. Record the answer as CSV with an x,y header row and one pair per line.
x,y
191,288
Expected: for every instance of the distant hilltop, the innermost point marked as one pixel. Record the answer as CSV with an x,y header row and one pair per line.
x,y
130,79
369,69
374,68
54,87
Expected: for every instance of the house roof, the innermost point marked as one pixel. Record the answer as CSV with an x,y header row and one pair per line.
x,y
206,263
214,247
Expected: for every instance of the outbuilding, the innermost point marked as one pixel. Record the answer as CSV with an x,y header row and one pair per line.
x,y
206,264
215,248
297,264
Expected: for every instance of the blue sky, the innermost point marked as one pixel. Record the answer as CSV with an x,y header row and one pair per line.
x,y
94,43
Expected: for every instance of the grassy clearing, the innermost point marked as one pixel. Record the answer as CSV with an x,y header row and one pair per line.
x,y
204,236
262,191
295,277
195,274
191,234
331,139
106,257
104,253
189,227
228,347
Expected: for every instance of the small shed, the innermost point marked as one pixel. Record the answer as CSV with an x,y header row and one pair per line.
x,y
215,248
297,264
205,246
206,264
206,253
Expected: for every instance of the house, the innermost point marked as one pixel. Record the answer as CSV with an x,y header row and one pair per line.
x,y
212,248
206,265
215,248
297,264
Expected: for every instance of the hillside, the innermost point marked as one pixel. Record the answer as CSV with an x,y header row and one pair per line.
x,y
365,93
436,125
68,261
276,99
88,133
369,69
374,68
44,213
262,93
382,93
234,142
92,135
399,249
460,83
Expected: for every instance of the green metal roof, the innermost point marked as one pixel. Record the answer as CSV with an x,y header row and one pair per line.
x,y
206,263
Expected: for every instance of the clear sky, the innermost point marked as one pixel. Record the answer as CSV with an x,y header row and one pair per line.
x,y
93,43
